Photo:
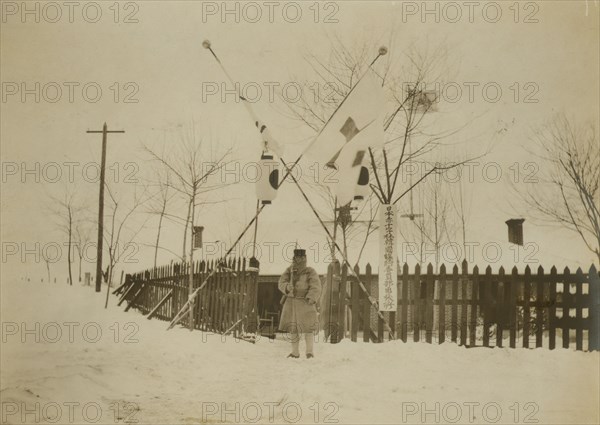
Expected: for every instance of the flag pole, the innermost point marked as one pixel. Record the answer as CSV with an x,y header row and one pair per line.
x,y
381,52
207,45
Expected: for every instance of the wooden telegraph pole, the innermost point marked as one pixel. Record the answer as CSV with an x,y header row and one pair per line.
x,y
104,132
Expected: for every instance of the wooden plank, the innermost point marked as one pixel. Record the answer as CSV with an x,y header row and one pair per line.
x,y
474,307
136,296
126,294
219,300
213,301
512,306
333,324
499,298
429,285
366,309
392,323
552,310
464,303
566,306
442,305
485,291
160,304
526,306
416,309
235,300
238,295
539,309
198,280
122,287
211,286
342,303
244,293
226,323
380,329
594,309
254,306
231,294
579,306
454,307
220,308
355,292
201,299
404,311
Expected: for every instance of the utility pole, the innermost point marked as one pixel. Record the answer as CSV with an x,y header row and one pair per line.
x,y
104,132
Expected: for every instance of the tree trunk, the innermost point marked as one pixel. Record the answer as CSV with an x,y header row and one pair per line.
x,y
80,257
185,230
69,249
191,275
158,233
110,272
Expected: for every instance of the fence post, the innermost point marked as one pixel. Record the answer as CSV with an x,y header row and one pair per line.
x,y
253,321
594,309
331,325
341,321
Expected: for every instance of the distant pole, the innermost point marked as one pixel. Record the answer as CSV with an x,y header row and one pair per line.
x,y
104,132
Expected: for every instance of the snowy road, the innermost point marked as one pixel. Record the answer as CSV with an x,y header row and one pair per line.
x,y
67,360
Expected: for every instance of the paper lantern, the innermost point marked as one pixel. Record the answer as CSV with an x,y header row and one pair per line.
x,y
268,181
362,186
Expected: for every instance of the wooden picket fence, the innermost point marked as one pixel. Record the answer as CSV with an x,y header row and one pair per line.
x,y
471,309
226,303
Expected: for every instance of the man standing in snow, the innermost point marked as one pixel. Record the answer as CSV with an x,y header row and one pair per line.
x,y
301,287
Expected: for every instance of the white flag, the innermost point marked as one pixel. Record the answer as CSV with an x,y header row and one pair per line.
x,y
349,163
343,142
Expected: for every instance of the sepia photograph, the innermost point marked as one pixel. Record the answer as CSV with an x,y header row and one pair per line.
x,y
300,212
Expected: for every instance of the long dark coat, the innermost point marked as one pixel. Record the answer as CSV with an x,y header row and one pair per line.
x,y
297,314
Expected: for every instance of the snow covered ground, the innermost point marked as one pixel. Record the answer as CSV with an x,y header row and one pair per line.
x,y
67,360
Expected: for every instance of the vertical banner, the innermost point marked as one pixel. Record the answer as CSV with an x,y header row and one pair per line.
x,y
388,258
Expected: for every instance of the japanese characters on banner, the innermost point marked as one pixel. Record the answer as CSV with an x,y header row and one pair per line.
x,y
388,254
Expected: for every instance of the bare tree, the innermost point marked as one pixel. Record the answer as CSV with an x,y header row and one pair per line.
x,y
47,261
191,166
158,204
82,238
435,224
567,191
118,235
410,102
461,202
65,211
